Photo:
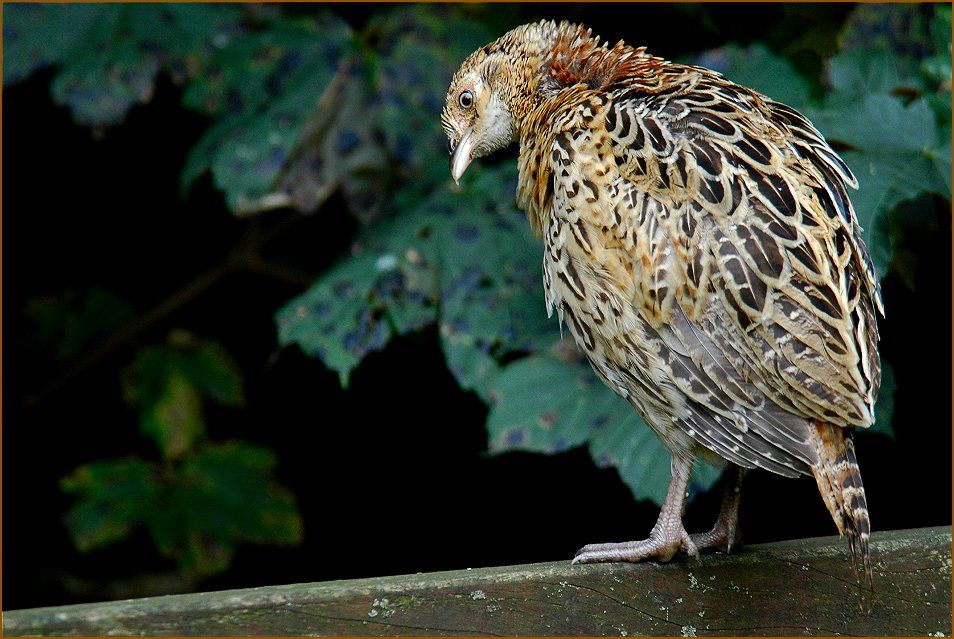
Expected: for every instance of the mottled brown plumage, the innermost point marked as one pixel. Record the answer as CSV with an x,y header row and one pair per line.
x,y
701,247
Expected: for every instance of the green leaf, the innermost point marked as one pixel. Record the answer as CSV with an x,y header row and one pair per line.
x,y
362,302
214,372
232,496
265,88
545,405
113,497
896,154
938,66
488,273
405,60
168,382
255,67
195,512
899,49
339,148
101,87
174,421
941,28
38,35
464,256
109,56
860,73
223,495
904,30
204,364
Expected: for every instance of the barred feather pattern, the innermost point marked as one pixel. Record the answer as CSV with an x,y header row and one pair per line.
x,y
840,485
700,244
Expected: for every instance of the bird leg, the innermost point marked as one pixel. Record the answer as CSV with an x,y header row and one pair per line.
x,y
725,534
667,537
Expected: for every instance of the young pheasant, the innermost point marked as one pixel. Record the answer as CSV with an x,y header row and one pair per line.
x,y
700,245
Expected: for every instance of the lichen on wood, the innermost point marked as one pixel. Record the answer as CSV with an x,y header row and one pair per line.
x,y
800,587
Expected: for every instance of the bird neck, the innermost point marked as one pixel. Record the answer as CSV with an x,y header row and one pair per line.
x,y
548,57
517,64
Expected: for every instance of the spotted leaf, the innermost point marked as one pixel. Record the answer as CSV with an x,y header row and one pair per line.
x,y
108,56
364,301
268,88
462,256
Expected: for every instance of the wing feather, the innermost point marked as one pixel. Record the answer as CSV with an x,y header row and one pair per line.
x,y
786,259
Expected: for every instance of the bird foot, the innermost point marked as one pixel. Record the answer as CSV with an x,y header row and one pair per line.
x,y
662,545
725,534
722,538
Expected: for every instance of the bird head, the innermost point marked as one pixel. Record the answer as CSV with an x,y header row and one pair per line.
x,y
491,93
476,117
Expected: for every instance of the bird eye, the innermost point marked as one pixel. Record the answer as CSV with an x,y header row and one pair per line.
x,y
466,99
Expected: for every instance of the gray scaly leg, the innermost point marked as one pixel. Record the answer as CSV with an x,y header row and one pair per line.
x,y
725,534
667,537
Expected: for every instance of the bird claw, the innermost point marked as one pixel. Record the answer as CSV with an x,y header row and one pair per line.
x,y
721,538
725,534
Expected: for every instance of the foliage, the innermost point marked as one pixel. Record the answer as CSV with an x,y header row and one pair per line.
x,y
108,55
74,319
167,383
899,146
201,498
301,107
262,89
462,258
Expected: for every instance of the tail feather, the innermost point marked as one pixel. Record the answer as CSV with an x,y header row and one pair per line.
x,y
839,482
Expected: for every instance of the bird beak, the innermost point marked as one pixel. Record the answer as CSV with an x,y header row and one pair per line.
x,y
461,158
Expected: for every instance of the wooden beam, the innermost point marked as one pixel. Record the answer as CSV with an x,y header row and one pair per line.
x,y
802,587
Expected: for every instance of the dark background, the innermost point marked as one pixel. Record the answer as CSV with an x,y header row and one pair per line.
x,y
391,475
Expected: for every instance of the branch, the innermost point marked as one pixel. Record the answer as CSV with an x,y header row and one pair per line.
x,y
183,296
245,256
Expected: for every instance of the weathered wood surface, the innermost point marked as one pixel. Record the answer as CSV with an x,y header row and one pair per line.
x,y
789,588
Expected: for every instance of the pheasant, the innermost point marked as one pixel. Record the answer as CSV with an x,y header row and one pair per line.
x,y
700,245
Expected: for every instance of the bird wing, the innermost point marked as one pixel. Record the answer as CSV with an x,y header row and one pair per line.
x,y
744,255
759,214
